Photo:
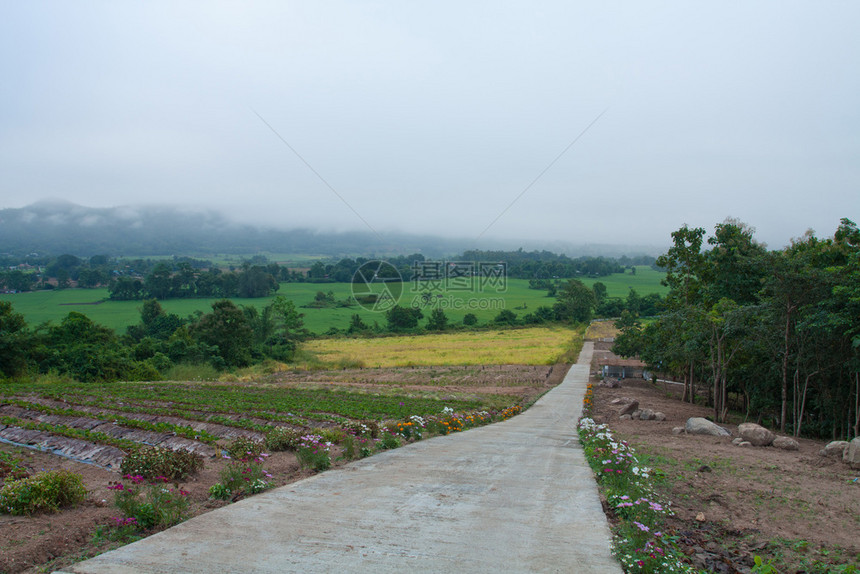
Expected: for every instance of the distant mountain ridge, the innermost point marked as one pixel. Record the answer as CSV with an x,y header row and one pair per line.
x,y
55,227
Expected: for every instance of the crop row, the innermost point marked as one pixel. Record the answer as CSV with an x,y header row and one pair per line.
x,y
70,432
319,404
160,427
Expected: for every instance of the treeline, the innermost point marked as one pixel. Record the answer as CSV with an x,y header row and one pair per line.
x,y
773,334
186,277
184,282
229,336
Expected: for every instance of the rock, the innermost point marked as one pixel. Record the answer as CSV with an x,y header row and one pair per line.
x,y
745,443
700,517
611,383
699,425
625,417
678,430
658,416
852,453
755,434
635,414
737,441
629,408
646,415
785,443
836,449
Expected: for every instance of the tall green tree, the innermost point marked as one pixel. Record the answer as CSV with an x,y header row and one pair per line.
x,y
228,329
576,302
16,342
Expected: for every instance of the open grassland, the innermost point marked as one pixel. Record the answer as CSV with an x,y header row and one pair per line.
x,y
42,306
532,346
645,281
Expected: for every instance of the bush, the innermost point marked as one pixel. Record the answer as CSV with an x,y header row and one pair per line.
x,y
11,468
44,492
153,462
282,438
314,452
244,448
151,506
243,477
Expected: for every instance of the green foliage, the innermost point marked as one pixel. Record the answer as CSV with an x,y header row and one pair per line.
x,y
16,342
576,302
438,320
282,438
152,462
11,468
244,448
762,567
505,317
769,332
241,478
226,328
403,318
44,492
149,506
314,452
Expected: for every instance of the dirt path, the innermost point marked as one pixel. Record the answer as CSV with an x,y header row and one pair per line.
x,y
517,496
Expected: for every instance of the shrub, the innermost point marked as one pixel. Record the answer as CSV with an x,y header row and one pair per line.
x,y
11,468
389,440
241,477
244,448
152,462
362,428
44,492
282,438
149,506
314,452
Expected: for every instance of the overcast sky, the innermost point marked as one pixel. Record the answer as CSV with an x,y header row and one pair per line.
x,y
436,116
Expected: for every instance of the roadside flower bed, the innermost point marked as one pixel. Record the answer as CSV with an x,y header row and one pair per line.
x,y
639,542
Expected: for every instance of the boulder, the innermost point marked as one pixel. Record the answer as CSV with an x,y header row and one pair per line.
x,y
646,415
625,417
699,425
785,443
755,434
836,449
658,416
737,441
629,408
678,430
852,453
635,414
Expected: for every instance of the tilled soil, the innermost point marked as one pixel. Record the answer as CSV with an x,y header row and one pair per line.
x,y
46,542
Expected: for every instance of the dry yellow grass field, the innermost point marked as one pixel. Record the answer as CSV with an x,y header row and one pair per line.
x,y
601,330
532,346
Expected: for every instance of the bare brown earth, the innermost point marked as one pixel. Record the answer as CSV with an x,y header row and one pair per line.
x,y
47,542
795,507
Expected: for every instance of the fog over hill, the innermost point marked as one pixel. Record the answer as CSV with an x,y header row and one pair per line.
x,y
56,227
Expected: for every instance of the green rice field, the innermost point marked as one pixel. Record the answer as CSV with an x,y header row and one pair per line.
x,y
43,306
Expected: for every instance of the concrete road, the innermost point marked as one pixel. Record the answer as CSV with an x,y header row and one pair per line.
x,y
516,496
